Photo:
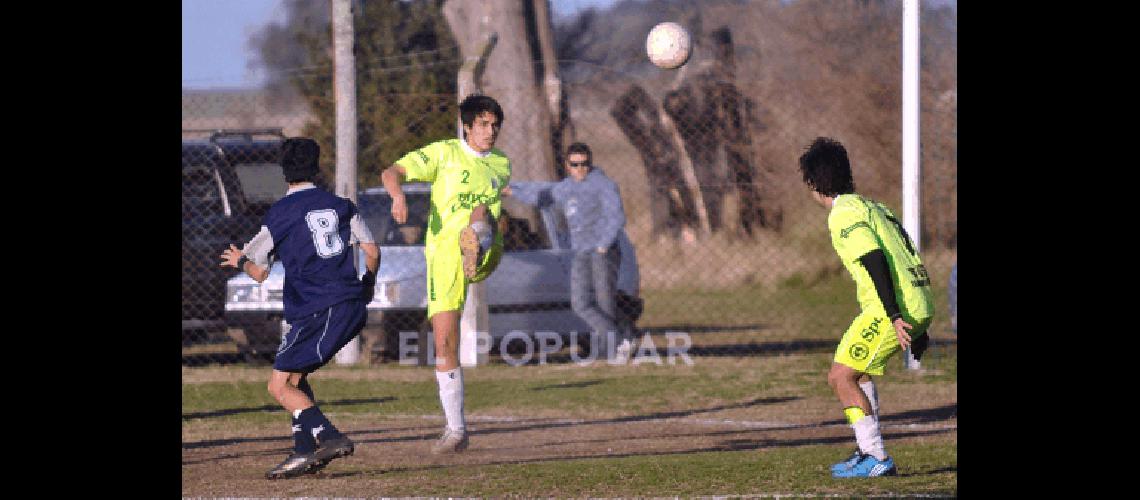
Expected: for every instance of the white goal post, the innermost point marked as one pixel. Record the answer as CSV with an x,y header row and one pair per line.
x,y
911,150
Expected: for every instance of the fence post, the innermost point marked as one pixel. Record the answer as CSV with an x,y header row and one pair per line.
x,y
475,316
345,88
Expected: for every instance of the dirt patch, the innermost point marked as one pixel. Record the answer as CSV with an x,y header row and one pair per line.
x,y
232,462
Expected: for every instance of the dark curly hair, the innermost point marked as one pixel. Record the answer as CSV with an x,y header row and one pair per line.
x,y
826,169
477,104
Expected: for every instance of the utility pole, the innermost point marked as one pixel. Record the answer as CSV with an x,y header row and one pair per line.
x,y
345,94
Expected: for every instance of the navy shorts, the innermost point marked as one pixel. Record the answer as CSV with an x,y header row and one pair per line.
x,y
313,340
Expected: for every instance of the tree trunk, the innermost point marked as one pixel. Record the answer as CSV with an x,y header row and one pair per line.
x,y
511,79
561,129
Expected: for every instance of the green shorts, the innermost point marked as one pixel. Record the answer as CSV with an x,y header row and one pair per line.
x,y
870,341
447,287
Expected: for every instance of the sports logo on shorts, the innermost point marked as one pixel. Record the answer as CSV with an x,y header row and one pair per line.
x,y
859,351
285,329
869,333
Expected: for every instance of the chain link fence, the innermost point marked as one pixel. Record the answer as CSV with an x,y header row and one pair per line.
x,y
731,251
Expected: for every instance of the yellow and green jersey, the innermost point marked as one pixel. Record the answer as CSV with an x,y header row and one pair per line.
x,y
859,225
460,180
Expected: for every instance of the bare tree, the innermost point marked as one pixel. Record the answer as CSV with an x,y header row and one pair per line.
x,y
510,77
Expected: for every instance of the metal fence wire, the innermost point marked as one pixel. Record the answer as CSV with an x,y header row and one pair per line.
x,y
731,251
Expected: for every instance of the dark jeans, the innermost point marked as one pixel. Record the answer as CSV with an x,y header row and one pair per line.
x,y
593,291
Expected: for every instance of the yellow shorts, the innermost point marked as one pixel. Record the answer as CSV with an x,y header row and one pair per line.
x,y
447,287
870,341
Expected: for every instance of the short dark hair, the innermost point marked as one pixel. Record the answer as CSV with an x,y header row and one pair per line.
x,y
826,169
477,104
580,148
300,158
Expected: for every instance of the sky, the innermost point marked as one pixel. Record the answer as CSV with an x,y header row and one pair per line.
x,y
215,32
214,35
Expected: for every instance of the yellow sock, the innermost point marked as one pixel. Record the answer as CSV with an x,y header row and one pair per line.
x,y
854,413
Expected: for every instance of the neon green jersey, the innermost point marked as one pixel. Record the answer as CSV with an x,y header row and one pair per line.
x,y
859,225
460,179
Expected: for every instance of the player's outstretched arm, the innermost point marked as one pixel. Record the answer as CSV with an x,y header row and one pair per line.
x,y
392,177
371,256
233,257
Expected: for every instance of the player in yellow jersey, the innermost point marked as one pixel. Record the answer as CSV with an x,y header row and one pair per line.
x,y
467,176
893,289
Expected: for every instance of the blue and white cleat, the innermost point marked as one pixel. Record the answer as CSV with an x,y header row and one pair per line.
x,y
869,466
849,462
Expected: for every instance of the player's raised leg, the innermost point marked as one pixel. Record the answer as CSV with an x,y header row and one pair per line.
x,y
476,239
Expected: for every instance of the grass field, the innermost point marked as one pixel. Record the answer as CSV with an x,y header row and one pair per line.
x,y
725,425
752,415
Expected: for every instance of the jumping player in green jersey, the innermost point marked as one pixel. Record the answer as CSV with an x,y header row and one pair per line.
x,y
467,176
893,289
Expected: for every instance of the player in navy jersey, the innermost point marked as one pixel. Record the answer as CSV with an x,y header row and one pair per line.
x,y
312,232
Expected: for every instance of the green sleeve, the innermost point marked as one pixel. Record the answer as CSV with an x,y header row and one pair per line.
x,y
422,164
851,233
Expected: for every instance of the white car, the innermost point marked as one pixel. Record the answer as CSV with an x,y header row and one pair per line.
x,y
529,292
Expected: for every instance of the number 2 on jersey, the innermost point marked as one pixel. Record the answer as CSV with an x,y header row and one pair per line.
x,y
323,224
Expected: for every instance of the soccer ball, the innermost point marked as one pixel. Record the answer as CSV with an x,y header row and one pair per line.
x,y
668,45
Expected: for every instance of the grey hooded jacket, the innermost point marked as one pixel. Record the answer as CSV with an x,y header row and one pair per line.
x,y
592,208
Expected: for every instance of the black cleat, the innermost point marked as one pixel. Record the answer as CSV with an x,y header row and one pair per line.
x,y
295,465
334,448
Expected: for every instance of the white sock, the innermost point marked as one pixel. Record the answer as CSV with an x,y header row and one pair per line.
x,y
872,395
483,233
868,437
451,397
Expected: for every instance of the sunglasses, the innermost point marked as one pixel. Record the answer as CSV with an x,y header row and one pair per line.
x,y
579,164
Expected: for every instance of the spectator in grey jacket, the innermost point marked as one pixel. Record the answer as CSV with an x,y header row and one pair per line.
x,y
592,206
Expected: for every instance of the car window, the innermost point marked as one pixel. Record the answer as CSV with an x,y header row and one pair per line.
x,y
200,195
376,209
262,182
519,235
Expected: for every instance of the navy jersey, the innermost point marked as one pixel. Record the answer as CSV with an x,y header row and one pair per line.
x,y
312,236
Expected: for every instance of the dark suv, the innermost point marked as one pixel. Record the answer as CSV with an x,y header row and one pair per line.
x,y
229,180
